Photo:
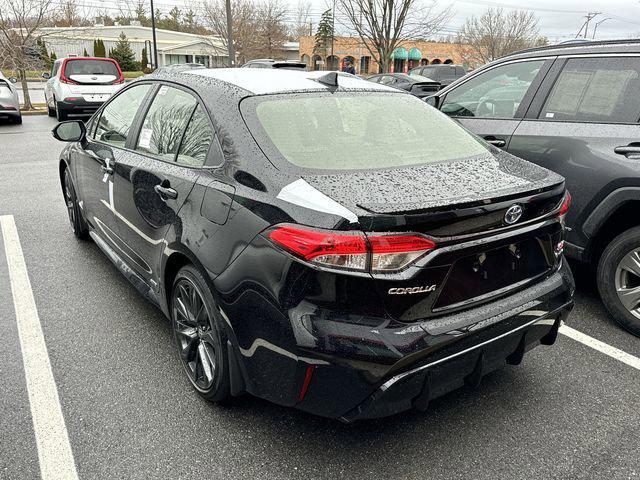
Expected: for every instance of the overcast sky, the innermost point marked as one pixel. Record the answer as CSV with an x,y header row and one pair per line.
x,y
558,19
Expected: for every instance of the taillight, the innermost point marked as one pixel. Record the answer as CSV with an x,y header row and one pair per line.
x,y
373,252
564,207
68,81
394,252
118,81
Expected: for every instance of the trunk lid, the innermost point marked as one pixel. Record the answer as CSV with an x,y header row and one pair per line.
x,y
462,206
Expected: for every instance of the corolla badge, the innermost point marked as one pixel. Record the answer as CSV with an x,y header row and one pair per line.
x,y
412,290
513,214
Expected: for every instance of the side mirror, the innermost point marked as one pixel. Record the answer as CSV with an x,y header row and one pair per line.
x,y
433,100
46,75
13,79
70,131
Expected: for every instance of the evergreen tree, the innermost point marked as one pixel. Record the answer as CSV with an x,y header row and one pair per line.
x,y
53,57
42,54
99,49
84,53
144,62
123,54
324,34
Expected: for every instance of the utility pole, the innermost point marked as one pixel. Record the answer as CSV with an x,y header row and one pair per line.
x,y
153,35
595,27
590,16
230,48
333,30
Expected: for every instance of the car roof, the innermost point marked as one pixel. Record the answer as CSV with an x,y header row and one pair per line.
x,y
584,48
267,81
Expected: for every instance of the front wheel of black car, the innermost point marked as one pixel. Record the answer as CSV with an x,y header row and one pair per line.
x,y
199,335
78,224
619,279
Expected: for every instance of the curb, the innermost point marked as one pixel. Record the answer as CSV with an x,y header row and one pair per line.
x,y
30,113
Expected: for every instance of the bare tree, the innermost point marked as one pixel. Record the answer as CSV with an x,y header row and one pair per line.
x,y
19,23
259,29
384,25
68,14
495,34
302,20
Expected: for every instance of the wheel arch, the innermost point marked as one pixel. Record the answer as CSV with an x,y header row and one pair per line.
x,y
616,214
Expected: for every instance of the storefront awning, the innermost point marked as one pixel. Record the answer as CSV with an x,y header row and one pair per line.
x,y
400,54
415,54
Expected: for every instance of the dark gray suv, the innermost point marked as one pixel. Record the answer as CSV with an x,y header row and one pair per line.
x,y
574,109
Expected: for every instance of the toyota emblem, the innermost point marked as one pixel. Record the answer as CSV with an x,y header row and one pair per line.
x,y
513,214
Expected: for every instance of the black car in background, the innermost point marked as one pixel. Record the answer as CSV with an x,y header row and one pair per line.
x,y
319,241
444,74
271,63
574,109
414,84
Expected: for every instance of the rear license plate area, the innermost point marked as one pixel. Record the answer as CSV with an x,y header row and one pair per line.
x,y
494,270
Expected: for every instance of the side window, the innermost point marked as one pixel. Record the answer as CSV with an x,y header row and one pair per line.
x,y
387,80
117,116
196,141
165,123
496,93
54,69
596,90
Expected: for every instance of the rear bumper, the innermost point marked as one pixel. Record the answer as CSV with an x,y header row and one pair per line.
x,y
79,106
465,364
295,349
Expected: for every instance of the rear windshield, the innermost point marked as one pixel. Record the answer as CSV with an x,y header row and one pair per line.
x,y
356,131
90,67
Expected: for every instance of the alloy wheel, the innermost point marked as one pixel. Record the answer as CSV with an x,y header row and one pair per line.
x,y
194,336
627,282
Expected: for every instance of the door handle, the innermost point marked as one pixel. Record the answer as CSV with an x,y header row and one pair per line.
x,y
629,151
165,192
496,142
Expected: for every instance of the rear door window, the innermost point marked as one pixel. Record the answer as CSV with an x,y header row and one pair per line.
x,y
196,141
601,90
496,93
117,117
165,123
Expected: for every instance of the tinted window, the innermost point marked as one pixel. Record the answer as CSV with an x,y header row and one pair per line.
x,y
165,123
596,90
90,67
197,140
55,68
496,93
349,132
117,116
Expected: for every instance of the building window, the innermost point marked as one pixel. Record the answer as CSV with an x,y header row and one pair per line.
x,y
203,59
317,62
364,64
175,59
306,60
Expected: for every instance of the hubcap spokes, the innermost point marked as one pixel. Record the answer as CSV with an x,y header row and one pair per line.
x,y
627,282
193,335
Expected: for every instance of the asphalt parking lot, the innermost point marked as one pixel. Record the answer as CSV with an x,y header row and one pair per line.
x,y
569,411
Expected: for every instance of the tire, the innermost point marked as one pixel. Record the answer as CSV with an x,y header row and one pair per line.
x,y
50,111
78,224
199,335
61,115
618,279
17,120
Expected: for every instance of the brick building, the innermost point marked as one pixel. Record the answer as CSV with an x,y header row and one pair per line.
x,y
351,49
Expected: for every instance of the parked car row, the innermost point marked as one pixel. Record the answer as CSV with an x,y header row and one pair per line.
x,y
574,109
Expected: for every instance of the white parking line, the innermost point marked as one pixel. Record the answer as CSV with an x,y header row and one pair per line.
x,y
613,352
54,451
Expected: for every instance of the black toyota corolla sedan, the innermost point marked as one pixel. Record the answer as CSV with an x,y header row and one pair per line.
x,y
319,241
